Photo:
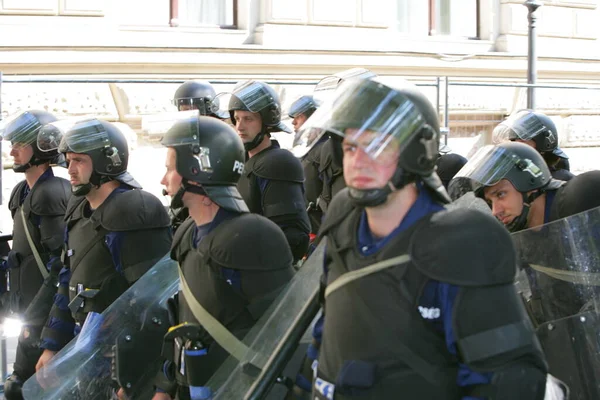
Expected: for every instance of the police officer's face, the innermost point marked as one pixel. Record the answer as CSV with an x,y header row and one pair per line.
x,y
298,121
21,153
360,170
185,107
505,200
80,168
247,125
171,180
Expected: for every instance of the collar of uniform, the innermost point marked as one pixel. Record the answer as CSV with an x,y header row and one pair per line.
x,y
122,188
423,206
550,194
26,189
201,231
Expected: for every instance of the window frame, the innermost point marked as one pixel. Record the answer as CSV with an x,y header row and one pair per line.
x,y
59,8
434,23
174,15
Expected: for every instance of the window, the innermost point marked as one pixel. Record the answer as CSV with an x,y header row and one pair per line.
x,y
208,13
458,18
454,18
53,7
351,13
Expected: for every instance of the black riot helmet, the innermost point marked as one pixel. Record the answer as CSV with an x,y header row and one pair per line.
x,y
448,166
258,97
519,164
324,91
23,130
198,95
209,153
327,86
304,105
104,143
386,121
530,125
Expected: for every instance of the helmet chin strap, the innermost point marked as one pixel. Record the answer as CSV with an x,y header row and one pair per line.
x,y
33,161
95,181
520,222
177,199
256,141
376,197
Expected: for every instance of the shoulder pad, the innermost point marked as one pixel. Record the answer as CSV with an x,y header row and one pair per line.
x,y
580,194
75,207
179,246
133,210
248,242
338,210
464,247
50,197
13,203
279,164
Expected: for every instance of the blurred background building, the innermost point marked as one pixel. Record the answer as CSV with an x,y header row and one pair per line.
x,y
293,43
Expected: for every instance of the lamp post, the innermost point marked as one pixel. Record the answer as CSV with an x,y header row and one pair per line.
x,y
532,6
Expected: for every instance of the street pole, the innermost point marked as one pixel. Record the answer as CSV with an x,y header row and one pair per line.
x,y
532,6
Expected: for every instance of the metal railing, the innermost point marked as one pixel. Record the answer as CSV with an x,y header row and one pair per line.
x,y
442,85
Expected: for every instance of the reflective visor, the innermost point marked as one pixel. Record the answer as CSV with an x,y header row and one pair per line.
x,y
182,131
503,133
489,165
327,86
22,129
205,106
526,125
253,96
371,115
305,140
300,106
50,135
84,137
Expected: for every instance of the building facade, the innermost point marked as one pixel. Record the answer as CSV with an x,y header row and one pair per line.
x,y
294,43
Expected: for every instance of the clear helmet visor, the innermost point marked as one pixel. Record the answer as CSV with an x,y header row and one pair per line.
x,y
305,140
22,129
50,135
84,137
250,96
181,129
522,125
489,165
371,115
328,85
300,106
204,106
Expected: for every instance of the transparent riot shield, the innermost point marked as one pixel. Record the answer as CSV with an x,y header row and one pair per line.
x,y
277,332
560,284
112,349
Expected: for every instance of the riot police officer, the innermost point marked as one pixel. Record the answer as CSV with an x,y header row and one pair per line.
x,y
198,95
233,262
515,181
408,285
201,96
538,131
37,205
272,182
300,111
330,160
448,165
115,230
